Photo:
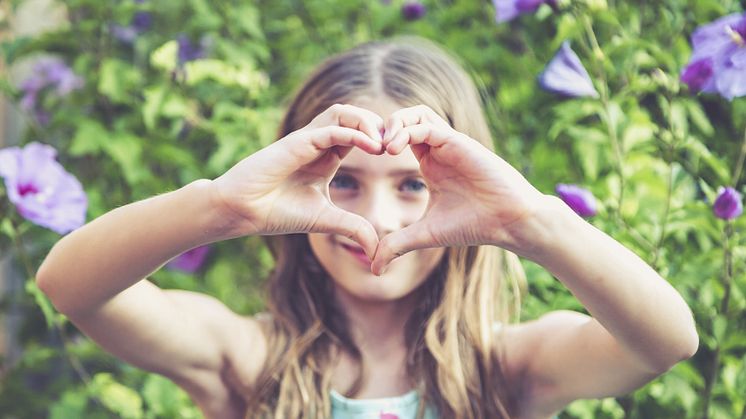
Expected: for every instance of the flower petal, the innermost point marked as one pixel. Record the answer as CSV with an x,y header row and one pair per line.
x,y
579,199
728,204
505,10
566,75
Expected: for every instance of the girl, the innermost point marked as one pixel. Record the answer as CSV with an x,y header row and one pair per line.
x,y
388,215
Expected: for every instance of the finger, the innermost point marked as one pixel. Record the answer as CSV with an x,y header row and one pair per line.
x,y
335,220
414,236
425,133
362,120
411,116
306,146
350,116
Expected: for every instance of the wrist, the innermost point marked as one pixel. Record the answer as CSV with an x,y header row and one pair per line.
x,y
537,234
218,221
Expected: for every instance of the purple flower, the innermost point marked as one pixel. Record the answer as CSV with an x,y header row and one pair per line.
x,y
580,200
728,204
40,188
189,261
506,10
189,51
141,22
413,10
566,75
47,73
718,62
698,76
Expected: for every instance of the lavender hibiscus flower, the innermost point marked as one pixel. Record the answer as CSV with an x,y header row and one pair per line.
x,y
506,10
189,261
718,62
728,204
566,75
40,188
47,73
580,200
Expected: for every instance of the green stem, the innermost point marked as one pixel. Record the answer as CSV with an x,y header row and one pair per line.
x,y
26,262
739,163
664,221
712,373
597,54
670,150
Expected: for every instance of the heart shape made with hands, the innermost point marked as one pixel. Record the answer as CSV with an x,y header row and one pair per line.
x,y
469,186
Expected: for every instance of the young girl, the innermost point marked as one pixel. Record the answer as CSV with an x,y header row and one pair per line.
x,y
388,215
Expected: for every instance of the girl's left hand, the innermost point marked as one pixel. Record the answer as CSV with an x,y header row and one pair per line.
x,y
475,196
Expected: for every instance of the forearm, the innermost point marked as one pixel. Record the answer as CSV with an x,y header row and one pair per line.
x,y
116,250
639,308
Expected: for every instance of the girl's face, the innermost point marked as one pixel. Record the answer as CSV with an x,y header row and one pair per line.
x,y
390,193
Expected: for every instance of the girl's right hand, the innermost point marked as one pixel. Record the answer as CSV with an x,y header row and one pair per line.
x,y
284,188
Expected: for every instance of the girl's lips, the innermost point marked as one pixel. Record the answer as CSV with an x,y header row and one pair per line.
x,y
358,253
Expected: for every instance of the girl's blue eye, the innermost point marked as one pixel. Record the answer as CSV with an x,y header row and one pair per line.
x,y
343,182
413,185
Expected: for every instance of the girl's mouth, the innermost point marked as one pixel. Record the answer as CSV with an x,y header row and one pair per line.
x,y
358,253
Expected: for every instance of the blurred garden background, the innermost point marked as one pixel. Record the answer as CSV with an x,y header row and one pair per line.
x,y
639,103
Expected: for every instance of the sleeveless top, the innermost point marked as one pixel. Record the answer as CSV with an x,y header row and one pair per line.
x,y
398,407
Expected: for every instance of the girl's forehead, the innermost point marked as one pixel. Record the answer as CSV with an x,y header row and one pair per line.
x,y
359,161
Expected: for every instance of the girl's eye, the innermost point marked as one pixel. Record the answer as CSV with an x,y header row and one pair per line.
x,y
413,185
343,182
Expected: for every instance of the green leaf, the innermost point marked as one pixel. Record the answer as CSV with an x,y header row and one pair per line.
x,y
126,150
71,405
164,57
119,80
89,138
50,314
118,398
151,110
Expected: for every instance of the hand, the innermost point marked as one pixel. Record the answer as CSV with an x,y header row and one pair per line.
x,y
284,188
475,196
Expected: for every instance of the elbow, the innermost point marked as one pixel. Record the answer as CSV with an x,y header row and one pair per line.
x,y
49,285
679,351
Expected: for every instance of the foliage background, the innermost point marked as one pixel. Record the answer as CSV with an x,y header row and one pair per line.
x,y
653,154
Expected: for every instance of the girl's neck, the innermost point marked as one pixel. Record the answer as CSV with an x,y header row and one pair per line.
x,y
376,327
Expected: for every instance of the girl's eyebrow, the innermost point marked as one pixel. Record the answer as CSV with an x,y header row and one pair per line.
x,y
395,172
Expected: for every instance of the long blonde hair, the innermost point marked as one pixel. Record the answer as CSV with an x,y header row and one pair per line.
x,y
453,356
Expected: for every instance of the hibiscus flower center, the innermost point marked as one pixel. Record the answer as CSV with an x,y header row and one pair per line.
x,y
738,32
27,189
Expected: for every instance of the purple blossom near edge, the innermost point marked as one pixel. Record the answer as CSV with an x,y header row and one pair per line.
x,y
728,204
140,23
718,62
413,10
506,10
40,188
566,75
50,73
580,200
189,261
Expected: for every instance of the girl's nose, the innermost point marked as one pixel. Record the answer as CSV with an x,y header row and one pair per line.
x,y
383,212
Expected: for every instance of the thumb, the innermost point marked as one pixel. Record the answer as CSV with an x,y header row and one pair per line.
x,y
414,236
347,224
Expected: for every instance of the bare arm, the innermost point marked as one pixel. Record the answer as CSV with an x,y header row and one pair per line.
x,y
94,276
640,327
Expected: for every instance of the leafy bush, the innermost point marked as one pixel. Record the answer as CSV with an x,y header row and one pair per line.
x,y
143,97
